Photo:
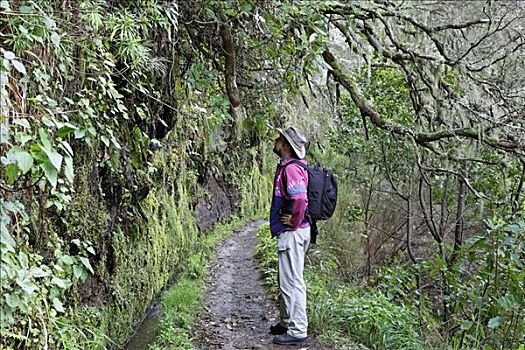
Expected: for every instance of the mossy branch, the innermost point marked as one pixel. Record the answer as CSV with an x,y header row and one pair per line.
x,y
368,110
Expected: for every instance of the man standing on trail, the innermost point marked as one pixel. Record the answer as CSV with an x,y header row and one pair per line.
x,y
291,227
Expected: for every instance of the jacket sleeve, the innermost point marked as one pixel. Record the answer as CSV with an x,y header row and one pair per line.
x,y
296,192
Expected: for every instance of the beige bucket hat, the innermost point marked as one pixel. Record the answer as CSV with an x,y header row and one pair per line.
x,y
296,139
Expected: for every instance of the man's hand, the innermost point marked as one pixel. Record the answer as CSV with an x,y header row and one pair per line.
x,y
286,219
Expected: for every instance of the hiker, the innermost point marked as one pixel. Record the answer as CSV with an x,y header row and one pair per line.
x,y
291,227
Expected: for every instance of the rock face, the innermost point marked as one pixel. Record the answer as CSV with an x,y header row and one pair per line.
x,y
213,207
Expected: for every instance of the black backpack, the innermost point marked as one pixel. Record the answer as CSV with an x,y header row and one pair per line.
x,y
322,194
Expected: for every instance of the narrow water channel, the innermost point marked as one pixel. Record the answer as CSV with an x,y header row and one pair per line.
x,y
146,333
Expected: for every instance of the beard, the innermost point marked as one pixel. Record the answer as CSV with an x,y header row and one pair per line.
x,y
278,152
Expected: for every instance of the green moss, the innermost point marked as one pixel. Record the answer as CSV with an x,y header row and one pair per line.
x,y
153,247
256,187
146,262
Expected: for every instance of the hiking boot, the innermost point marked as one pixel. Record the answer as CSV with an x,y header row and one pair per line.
x,y
287,339
278,329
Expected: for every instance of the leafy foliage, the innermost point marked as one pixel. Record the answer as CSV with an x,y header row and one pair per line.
x,y
494,319
109,108
90,93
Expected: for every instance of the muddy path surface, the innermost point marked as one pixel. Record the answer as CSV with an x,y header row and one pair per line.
x,y
237,313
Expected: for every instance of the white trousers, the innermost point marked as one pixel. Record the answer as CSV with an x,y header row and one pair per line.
x,y
292,246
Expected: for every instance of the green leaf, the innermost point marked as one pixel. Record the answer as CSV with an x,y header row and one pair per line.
x,y
54,157
50,172
466,325
65,130
105,140
115,143
14,207
50,24
78,270
57,305
80,134
55,39
7,240
7,67
495,322
517,228
48,122
65,145
38,272
67,260
23,158
61,283
25,282
8,55
5,5
91,250
19,66
86,263
68,170
13,300
22,122
11,172
44,136
23,138
23,259
114,93
25,9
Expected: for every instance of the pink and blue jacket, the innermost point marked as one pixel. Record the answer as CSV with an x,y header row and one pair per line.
x,y
291,198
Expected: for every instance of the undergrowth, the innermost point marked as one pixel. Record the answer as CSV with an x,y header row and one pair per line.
x,y
340,313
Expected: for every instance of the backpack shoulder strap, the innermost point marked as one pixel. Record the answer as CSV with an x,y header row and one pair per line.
x,y
285,180
298,162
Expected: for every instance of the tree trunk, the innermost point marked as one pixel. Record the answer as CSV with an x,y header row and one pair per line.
x,y
458,230
229,51
519,189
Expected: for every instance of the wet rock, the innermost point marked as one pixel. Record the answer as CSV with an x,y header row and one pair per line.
x,y
212,207
93,292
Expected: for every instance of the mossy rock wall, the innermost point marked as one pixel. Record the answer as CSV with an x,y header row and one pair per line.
x,y
139,255
120,150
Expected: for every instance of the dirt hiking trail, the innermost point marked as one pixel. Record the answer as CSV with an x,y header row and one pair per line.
x,y
237,313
